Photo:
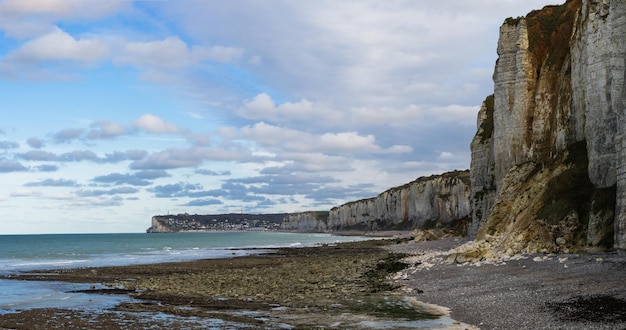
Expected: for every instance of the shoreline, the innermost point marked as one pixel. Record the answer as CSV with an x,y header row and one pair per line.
x,y
540,291
311,286
332,286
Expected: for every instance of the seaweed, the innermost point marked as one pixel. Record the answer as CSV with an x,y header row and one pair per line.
x,y
376,277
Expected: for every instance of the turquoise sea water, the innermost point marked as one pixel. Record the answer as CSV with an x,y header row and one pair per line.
x,y
29,252
19,253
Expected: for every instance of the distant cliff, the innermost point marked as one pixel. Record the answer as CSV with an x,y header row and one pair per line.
x,y
160,224
215,222
436,201
312,221
548,160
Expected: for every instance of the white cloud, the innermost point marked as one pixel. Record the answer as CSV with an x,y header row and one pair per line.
x,y
58,45
25,193
62,196
31,18
444,155
216,53
263,107
172,53
363,53
105,129
187,157
81,8
274,136
315,162
199,140
465,115
155,125
348,141
399,149
35,7
290,140
414,115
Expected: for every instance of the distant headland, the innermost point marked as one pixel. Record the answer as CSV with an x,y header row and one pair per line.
x,y
215,222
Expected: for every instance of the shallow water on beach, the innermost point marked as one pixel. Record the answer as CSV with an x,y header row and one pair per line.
x,y
23,253
32,253
25,295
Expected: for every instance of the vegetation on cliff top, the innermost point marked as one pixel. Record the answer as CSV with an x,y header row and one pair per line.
x,y
464,176
485,131
549,32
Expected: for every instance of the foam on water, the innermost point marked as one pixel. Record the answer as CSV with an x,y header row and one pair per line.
x,y
24,253
12,266
29,252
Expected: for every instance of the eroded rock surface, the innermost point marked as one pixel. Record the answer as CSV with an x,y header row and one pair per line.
x,y
548,158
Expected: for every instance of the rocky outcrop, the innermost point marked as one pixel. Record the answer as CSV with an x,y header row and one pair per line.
x,y
428,202
482,167
313,221
548,158
160,225
529,117
598,56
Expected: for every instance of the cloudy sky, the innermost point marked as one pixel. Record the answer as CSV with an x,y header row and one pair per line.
x,y
113,111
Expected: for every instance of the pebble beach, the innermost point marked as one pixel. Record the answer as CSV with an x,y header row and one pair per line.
x,y
349,286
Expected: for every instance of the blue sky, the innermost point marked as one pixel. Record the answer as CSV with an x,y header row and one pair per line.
x,y
114,111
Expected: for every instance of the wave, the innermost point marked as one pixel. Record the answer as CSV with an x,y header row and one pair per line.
x,y
27,253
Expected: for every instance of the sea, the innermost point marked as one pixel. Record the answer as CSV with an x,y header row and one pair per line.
x,y
40,253
29,253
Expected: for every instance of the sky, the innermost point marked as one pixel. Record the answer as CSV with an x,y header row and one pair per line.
x,y
113,111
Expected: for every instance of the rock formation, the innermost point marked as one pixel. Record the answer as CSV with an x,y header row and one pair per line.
x,y
438,201
311,221
160,225
548,158
428,202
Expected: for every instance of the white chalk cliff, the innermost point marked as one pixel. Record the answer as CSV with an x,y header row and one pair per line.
x,y
548,169
438,201
428,202
548,158
310,221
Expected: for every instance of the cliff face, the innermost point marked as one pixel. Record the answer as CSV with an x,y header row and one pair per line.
x,y
599,52
436,201
160,226
306,221
547,160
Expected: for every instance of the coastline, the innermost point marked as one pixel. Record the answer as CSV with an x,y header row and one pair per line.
x,y
325,286
332,286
